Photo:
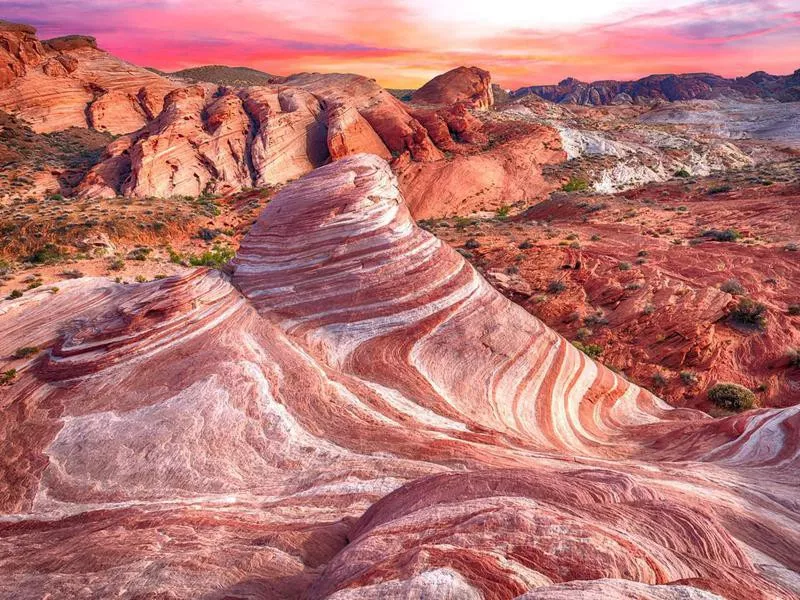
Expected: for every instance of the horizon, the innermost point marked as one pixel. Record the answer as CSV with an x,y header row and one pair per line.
x,y
520,45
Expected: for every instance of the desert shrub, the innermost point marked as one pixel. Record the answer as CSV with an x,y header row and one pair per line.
x,y
642,253
722,235
659,380
590,350
792,247
575,184
733,287
688,377
140,253
502,212
731,396
750,313
72,274
794,357
649,309
556,287
471,244
116,264
624,266
583,333
525,245
215,258
720,189
596,318
140,279
49,253
7,377
14,295
682,173
595,238
25,351
794,309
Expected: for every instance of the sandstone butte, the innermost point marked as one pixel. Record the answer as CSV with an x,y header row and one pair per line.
x,y
69,82
463,84
355,413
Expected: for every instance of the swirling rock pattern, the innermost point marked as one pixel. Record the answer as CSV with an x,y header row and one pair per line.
x,y
358,414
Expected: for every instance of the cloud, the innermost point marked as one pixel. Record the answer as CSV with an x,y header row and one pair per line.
x,y
404,42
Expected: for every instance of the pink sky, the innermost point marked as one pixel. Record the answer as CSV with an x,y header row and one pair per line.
x,y
403,43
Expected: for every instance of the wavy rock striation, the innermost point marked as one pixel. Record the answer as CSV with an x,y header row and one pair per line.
x,y
358,414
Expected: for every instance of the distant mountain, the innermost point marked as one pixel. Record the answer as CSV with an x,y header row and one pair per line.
x,y
784,88
222,75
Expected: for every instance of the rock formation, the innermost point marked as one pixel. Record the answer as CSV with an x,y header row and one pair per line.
x,y
69,82
463,84
358,414
655,88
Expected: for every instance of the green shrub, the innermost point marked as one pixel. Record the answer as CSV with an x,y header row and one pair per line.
x,y
750,313
688,377
731,396
525,245
720,189
502,212
682,173
49,253
14,295
7,377
215,258
471,244
624,266
733,287
556,287
575,184
25,351
722,235
590,350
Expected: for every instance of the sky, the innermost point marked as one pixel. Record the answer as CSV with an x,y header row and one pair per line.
x,y
403,43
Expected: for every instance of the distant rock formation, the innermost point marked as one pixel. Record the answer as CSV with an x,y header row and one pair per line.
x,y
68,82
463,84
653,88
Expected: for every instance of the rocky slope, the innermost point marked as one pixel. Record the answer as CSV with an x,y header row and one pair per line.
x,y
641,280
656,88
69,82
216,139
358,414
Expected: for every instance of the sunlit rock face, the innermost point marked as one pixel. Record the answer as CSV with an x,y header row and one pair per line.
x,y
463,84
70,82
354,414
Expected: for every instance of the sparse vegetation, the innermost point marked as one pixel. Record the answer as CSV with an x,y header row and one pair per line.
x,y
624,266
733,287
720,189
215,258
575,184
722,235
6,377
688,377
556,286
471,244
47,254
683,173
794,358
502,212
14,295
793,310
25,352
749,313
590,350
731,396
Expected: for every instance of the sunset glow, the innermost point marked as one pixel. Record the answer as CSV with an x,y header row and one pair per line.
x,y
402,44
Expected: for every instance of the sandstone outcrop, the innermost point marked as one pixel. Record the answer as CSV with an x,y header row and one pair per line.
x,y
463,84
358,414
55,84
